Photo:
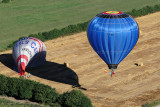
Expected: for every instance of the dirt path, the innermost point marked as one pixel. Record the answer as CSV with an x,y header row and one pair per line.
x,y
131,86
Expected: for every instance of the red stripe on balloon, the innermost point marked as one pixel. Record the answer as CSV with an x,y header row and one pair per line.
x,y
22,56
41,44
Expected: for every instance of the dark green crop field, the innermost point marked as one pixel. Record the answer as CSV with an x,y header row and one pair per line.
x,y
23,17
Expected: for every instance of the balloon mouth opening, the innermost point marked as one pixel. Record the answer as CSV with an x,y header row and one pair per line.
x,y
112,66
113,12
22,69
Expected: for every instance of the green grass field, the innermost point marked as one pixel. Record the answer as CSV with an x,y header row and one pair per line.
x,y
24,17
8,103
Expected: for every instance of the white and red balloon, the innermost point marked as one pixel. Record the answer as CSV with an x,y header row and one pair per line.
x,y
28,52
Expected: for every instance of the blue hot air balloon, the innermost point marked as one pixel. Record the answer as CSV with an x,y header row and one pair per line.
x,y
113,34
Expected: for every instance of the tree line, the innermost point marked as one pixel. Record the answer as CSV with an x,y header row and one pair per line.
x,y
27,89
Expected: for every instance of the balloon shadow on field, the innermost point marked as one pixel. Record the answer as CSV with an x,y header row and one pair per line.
x,y
49,70
7,60
56,72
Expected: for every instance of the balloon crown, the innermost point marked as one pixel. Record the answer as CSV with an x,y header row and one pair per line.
x,y
112,14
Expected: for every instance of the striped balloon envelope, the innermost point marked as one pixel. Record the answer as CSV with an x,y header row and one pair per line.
x,y
28,52
113,34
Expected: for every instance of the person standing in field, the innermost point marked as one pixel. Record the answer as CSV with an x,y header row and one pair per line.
x,y
29,75
111,73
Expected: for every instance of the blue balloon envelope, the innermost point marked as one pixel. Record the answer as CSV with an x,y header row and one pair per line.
x,y
113,34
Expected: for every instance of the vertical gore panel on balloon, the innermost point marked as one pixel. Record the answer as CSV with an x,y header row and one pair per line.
x,y
106,48
100,51
129,39
111,40
91,31
111,48
123,41
117,48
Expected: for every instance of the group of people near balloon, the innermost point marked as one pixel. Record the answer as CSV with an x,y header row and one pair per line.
x,y
112,34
